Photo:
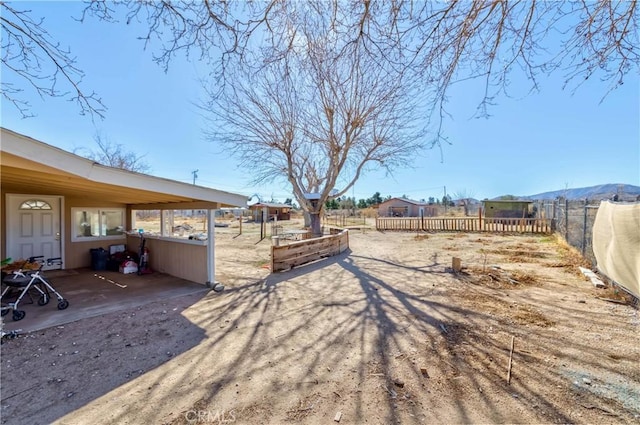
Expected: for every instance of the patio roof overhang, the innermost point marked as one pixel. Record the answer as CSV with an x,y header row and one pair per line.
x,y
31,166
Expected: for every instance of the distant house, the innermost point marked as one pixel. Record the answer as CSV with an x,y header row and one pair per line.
x,y
507,209
274,211
401,207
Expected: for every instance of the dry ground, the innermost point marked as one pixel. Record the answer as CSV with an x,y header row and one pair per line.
x,y
383,334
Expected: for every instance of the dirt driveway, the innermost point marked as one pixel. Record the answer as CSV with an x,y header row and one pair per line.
x,y
383,334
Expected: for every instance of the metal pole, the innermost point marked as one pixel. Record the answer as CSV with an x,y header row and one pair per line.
x,y
566,219
445,199
584,227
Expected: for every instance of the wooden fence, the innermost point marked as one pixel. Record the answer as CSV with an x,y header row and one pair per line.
x,y
285,257
466,224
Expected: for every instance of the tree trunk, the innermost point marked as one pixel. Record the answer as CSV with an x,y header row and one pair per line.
x,y
307,219
316,229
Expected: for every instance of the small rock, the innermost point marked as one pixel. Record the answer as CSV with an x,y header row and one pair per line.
x,y
586,381
398,383
71,394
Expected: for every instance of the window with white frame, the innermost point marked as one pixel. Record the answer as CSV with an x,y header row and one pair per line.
x,y
97,223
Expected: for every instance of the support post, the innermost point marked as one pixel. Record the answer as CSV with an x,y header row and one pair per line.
x,y
211,252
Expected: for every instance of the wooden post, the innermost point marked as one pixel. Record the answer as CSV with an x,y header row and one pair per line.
x,y
510,359
456,264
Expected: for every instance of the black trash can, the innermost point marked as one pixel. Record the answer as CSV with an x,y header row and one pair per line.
x,y
99,257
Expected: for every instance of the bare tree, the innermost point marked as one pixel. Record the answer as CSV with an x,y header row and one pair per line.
x,y
465,196
114,155
33,60
319,118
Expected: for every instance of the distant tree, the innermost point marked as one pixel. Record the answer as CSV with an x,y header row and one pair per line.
x,y
375,199
332,204
508,198
464,196
114,155
347,203
288,201
446,200
431,200
362,204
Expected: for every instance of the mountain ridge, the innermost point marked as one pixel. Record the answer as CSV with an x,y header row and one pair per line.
x,y
628,192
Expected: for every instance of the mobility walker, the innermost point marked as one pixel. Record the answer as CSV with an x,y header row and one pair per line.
x,y
29,278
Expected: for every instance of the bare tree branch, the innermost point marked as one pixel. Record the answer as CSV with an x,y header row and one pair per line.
x,y
114,155
35,60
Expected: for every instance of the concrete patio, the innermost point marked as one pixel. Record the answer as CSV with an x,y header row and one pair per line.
x,y
93,293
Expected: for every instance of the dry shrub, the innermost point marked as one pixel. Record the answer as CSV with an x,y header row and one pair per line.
x,y
570,257
525,314
614,292
420,237
520,313
519,255
498,278
525,278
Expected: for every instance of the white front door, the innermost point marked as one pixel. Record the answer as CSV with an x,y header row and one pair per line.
x,y
33,226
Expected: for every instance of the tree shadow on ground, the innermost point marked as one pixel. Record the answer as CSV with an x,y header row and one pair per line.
x,y
376,339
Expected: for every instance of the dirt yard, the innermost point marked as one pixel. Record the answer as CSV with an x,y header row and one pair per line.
x,y
384,333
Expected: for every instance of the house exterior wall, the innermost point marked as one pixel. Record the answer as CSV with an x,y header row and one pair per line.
x,y
186,259
393,207
75,254
281,213
506,209
78,254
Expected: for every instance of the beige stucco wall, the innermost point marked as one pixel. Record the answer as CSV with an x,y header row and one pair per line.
x,y
184,259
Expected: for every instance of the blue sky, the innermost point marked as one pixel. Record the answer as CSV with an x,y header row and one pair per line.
x,y
534,143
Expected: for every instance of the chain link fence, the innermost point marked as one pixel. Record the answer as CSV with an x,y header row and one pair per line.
x,y
573,220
